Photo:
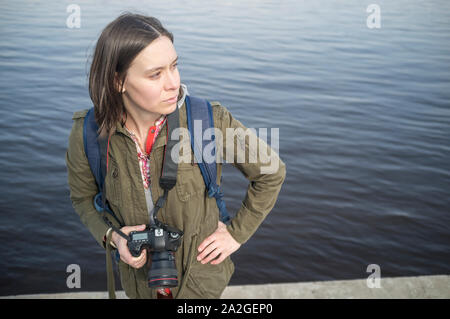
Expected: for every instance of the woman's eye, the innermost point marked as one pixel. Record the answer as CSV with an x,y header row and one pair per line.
x,y
155,75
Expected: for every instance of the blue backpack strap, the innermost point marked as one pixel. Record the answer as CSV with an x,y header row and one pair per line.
x,y
200,110
94,156
92,148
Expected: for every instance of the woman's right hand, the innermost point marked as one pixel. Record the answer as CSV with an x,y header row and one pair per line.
x,y
122,247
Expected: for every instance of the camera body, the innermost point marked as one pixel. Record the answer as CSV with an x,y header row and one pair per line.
x,y
156,239
162,241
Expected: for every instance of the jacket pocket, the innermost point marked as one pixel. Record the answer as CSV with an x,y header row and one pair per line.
x,y
208,281
186,265
189,182
112,182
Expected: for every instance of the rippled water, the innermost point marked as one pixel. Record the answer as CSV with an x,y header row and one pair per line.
x,y
364,118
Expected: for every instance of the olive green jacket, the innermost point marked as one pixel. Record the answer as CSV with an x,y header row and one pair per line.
x,y
187,207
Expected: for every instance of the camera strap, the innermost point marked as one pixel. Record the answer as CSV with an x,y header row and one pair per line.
x,y
169,167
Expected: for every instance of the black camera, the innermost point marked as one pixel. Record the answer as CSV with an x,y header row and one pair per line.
x,y
162,241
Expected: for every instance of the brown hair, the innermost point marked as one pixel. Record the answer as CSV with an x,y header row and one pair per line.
x,y
119,43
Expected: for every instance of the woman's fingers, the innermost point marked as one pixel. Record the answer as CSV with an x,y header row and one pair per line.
x,y
206,242
219,243
135,262
211,256
125,255
117,239
127,229
206,251
138,262
210,252
220,259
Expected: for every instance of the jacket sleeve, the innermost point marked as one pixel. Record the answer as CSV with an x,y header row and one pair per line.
x,y
82,182
260,164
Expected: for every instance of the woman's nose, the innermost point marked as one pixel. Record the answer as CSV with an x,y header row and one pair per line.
x,y
172,80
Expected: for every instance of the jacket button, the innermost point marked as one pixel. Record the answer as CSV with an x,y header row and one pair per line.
x,y
115,173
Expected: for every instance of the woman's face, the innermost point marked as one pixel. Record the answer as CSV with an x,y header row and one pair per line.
x,y
152,82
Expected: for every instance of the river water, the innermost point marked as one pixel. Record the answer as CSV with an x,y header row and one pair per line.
x,y
364,129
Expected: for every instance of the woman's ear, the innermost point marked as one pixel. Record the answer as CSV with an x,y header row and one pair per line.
x,y
119,85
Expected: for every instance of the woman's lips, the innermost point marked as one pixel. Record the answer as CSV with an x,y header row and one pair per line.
x,y
172,99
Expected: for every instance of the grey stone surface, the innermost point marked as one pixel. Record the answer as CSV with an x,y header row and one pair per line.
x,y
399,288
423,287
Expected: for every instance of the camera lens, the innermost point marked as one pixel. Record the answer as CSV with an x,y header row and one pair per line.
x,y
163,272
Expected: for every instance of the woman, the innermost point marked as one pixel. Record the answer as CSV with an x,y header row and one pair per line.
x,y
134,84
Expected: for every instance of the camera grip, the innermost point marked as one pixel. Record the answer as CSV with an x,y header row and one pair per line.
x,y
134,246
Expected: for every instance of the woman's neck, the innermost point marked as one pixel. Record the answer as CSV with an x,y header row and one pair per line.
x,y
139,123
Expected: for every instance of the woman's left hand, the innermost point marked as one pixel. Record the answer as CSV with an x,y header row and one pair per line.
x,y
219,244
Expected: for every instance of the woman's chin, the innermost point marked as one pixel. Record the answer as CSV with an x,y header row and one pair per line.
x,y
169,108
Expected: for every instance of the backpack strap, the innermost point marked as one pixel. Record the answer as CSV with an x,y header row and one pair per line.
x,y
95,148
92,148
199,112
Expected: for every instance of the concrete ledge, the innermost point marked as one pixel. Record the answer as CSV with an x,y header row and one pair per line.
x,y
390,288
423,287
